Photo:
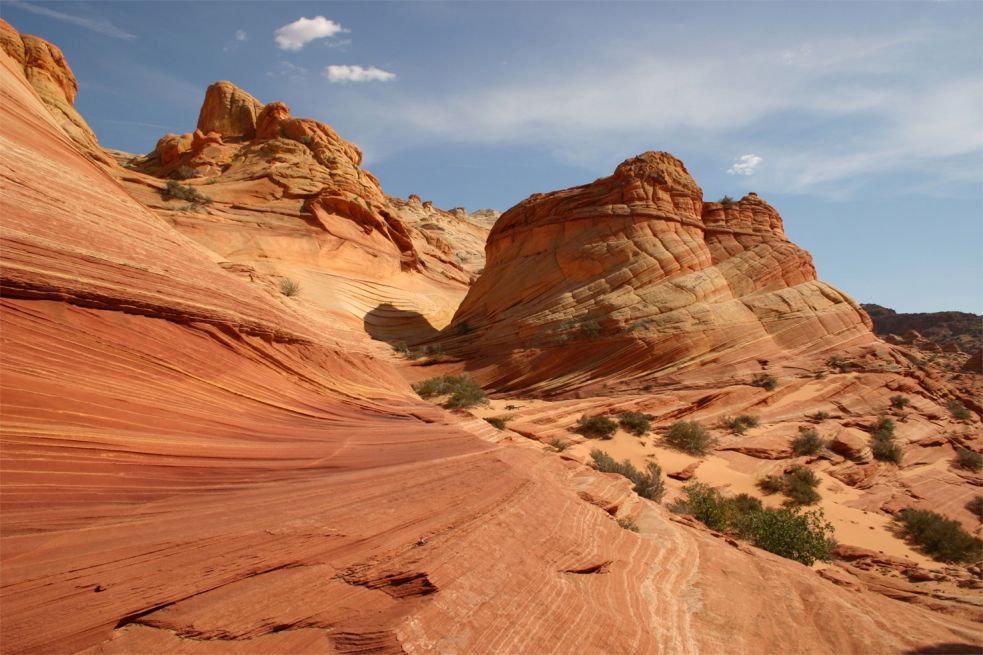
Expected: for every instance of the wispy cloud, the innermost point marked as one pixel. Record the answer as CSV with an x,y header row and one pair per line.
x,y
241,35
337,73
294,36
288,70
98,25
744,165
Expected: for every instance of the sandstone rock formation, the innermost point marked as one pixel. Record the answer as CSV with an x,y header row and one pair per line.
x,y
960,330
635,277
195,464
229,111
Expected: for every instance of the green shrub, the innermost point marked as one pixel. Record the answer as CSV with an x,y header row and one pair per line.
x,y
636,423
307,140
628,524
819,416
497,421
739,424
184,173
900,402
800,486
959,411
596,427
590,330
727,201
401,348
804,537
559,445
765,381
788,532
883,445
463,391
289,288
182,192
941,538
808,442
690,437
969,460
976,506
647,485
840,364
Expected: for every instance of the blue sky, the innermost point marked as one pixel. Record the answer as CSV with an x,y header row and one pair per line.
x,y
861,122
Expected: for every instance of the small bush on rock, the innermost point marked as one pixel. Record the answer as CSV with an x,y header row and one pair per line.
x,y
497,421
941,538
636,423
883,445
900,402
463,391
808,442
647,485
739,424
559,445
799,485
819,416
628,523
182,192
959,411
289,288
765,381
690,437
596,427
969,460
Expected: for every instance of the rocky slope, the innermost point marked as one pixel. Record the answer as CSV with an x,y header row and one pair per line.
x,y
633,278
949,331
195,463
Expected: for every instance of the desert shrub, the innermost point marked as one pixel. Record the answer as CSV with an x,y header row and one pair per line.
x,y
184,172
941,538
628,523
463,329
765,381
636,423
839,364
690,437
819,416
883,445
959,411
402,349
288,287
739,424
559,445
497,421
436,351
647,485
976,506
596,427
463,391
590,329
808,442
307,140
899,401
181,192
969,460
727,201
800,486
804,537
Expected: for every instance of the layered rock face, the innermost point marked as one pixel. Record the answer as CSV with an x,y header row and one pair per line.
x,y
634,277
194,464
949,331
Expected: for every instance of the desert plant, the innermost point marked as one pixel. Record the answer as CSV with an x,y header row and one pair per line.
x,y
941,538
497,421
808,442
463,329
647,485
959,411
727,201
804,537
636,423
463,391
739,424
628,523
819,416
288,287
900,402
969,460
976,506
765,381
184,172
590,330
772,484
559,445
690,437
839,364
173,189
883,445
402,349
596,427
800,486
307,140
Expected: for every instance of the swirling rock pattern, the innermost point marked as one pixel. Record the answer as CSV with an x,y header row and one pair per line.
x,y
634,277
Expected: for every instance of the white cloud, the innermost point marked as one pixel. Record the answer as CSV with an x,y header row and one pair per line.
x,y
744,165
336,73
302,31
288,70
241,35
98,25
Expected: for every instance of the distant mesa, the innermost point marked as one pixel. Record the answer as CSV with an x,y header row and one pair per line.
x,y
634,277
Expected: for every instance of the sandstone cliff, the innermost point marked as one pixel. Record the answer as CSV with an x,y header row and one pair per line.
x,y
635,277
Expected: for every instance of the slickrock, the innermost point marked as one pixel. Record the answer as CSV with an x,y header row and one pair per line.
x,y
45,68
229,111
634,277
193,463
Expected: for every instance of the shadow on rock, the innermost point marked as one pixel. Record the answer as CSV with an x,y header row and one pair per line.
x,y
393,325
